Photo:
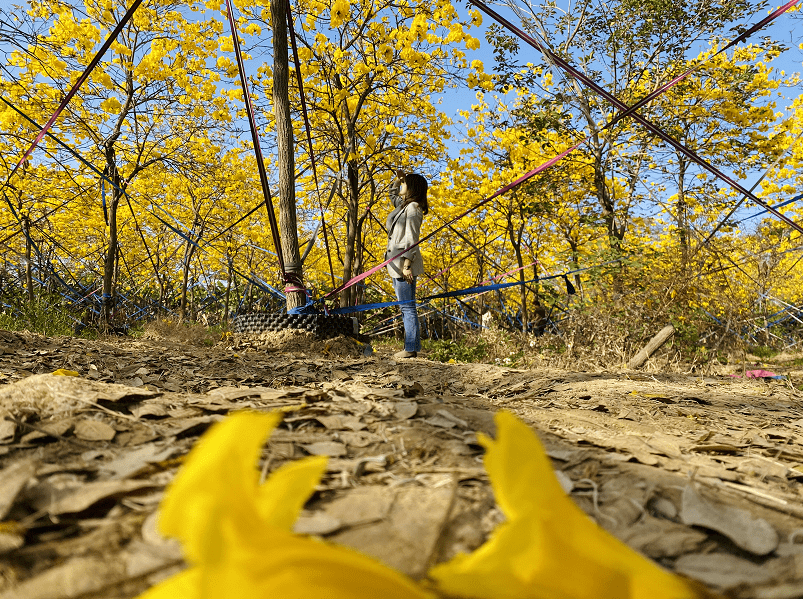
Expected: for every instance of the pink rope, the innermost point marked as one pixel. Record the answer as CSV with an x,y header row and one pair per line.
x,y
507,274
542,167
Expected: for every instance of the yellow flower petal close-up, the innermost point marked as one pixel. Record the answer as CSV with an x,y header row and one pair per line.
x,y
548,548
237,534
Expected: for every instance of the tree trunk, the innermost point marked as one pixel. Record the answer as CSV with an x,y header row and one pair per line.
x,y
576,265
347,295
525,313
160,281
117,189
606,202
116,277
284,142
228,294
189,252
237,293
359,261
26,224
359,253
185,276
515,241
108,263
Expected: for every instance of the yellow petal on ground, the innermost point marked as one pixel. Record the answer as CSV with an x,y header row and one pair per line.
x,y
280,499
215,490
281,564
528,559
548,548
184,585
64,372
237,534
520,471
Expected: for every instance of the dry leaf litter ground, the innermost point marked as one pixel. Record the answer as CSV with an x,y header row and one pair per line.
x,y
702,474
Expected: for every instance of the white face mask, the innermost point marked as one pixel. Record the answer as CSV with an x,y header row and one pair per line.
x,y
403,190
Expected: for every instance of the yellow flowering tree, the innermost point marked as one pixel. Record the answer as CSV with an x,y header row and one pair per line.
x,y
630,49
724,112
151,103
370,72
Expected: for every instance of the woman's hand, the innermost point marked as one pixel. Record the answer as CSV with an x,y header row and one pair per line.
x,y
407,271
402,177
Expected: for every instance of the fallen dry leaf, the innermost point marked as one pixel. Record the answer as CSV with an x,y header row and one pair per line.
x,y
13,480
361,505
317,523
7,431
405,409
73,578
94,430
327,448
722,570
406,538
88,494
129,463
752,534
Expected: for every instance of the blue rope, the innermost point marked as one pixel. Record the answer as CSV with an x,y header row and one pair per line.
x,y
364,307
723,325
795,199
457,293
265,286
176,231
261,249
454,318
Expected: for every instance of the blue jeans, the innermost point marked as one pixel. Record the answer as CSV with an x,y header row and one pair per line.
x,y
405,292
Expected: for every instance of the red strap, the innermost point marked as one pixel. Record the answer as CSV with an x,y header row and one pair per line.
x,y
263,176
293,44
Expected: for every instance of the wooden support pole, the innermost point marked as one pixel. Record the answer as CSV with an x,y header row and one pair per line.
x,y
285,148
656,342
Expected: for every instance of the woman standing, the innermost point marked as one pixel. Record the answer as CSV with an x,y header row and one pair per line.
x,y
409,197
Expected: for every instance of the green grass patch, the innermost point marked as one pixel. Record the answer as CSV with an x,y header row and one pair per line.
x,y
43,316
466,350
762,351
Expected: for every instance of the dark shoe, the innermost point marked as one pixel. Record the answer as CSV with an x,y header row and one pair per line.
x,y
405,354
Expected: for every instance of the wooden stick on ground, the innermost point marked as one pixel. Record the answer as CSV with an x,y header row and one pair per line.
x,y
656,342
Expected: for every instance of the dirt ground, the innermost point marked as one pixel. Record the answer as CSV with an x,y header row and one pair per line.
x,y
702,474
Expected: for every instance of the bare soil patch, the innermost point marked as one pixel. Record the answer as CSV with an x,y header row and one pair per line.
x,y
701,474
